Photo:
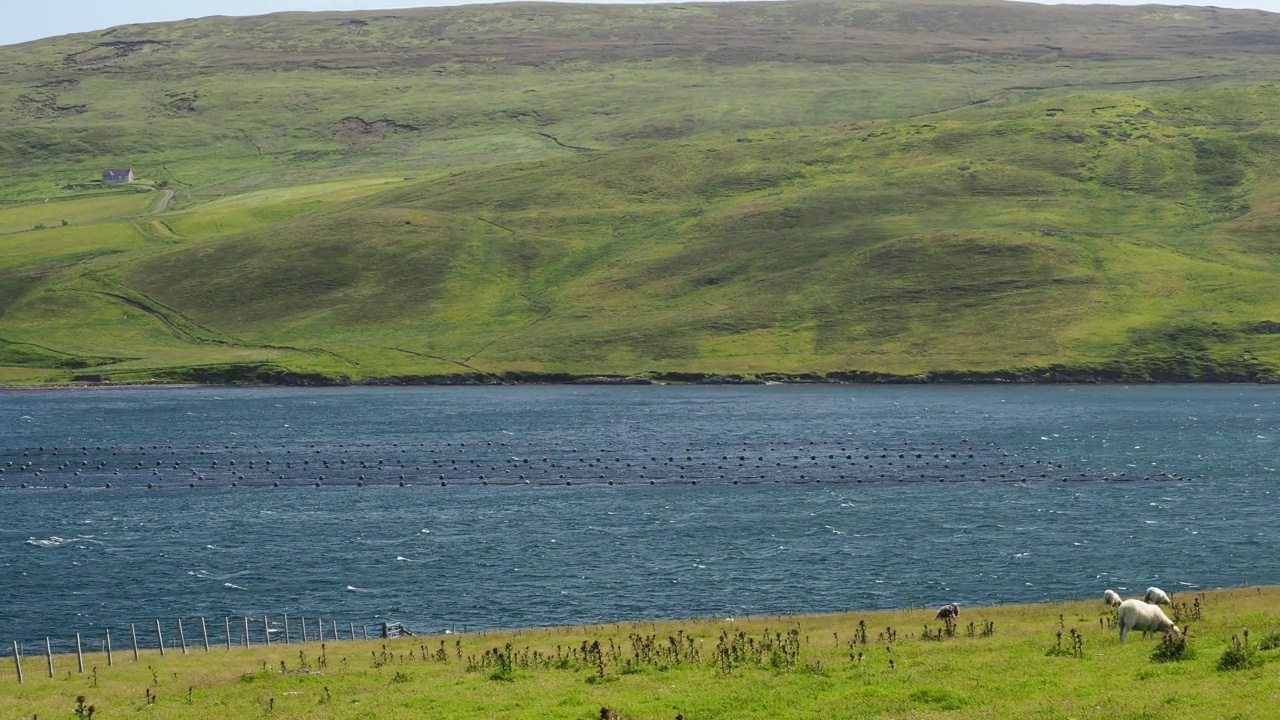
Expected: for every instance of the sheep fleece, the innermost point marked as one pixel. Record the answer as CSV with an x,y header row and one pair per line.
x,y
1138,615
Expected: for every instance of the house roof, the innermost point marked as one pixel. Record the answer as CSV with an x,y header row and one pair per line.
x,y
117,171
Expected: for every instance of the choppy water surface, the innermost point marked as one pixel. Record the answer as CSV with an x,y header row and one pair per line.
x,y
515,506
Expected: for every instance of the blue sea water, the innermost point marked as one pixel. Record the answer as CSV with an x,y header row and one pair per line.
x,y
482,507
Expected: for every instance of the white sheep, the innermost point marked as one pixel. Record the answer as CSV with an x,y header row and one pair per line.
x,y
1156,596
1137,615
1111,597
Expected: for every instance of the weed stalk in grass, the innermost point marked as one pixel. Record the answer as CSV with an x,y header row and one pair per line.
x,y
1271,641
815,667
948,630
1240,655
1183,612
773,650
1174,647
1077,645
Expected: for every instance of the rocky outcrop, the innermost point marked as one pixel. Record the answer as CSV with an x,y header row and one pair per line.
x,y
358,132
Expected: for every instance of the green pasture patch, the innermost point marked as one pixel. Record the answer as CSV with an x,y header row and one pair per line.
x,y
18,376
334,190
991,663
240,213
86,320
14,354
59,245
75,212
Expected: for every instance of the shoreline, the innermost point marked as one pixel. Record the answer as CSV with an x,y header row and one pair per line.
x,y
1061,659
423,631
268,376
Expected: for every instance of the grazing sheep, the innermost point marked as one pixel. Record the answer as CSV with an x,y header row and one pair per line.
x,y
1137,615
1156,596
1111,597
950,611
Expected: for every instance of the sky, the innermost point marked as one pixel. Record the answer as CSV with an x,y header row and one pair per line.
x,y
30,20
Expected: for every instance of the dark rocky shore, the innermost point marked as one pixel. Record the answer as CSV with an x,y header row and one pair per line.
x,y
269,375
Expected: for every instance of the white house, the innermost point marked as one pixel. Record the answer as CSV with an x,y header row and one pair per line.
x,y
113,176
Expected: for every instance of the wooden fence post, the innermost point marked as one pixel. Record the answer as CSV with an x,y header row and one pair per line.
x,y
286,629
160,638
227,621
17,661
304,630
246,631
79,655
133,631
182,637
353,631
366,631
266,628
48,654
204,630
110,661
320,625
335,631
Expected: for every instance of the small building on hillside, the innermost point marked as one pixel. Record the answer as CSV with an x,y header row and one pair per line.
x,y
114,176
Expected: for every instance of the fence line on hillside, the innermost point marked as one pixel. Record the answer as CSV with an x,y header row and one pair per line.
x,y
325,630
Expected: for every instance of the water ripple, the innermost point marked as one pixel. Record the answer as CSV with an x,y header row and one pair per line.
x,y
1189,502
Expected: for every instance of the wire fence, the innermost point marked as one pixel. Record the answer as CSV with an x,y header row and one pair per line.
x,y
186,635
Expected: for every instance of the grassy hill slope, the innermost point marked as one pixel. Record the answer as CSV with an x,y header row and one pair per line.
x,y
803,188
1049,660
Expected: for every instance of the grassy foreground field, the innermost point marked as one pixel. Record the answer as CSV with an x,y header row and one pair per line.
x,y
844,189
1016,661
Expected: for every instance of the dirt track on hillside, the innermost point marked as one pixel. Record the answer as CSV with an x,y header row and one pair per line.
x,y
164,203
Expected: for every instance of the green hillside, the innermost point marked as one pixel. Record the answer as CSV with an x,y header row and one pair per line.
x,y
522,191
